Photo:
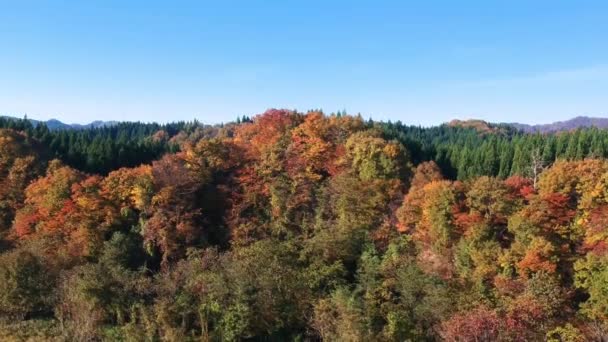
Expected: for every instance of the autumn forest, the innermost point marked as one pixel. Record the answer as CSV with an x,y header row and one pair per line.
x,y
289,226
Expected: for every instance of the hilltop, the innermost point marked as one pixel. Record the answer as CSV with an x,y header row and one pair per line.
x,y
568,125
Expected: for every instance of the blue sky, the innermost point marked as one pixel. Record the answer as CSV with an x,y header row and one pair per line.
x,y
421,62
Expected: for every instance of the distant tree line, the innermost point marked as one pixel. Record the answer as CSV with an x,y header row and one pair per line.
x,y
461,152
103,149
464,153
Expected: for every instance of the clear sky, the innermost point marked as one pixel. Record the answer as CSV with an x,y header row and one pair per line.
x,y
422,62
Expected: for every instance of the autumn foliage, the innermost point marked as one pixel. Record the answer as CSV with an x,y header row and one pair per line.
x,y
293,226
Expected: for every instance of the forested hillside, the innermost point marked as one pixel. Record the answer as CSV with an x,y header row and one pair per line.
x,y
293,226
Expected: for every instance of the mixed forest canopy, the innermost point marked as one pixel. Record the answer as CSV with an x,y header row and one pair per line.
x,y
303,226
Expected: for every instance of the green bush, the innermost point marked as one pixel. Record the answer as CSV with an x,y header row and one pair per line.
x,y
25,287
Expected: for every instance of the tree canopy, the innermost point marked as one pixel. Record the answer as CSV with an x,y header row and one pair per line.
x,y
302,226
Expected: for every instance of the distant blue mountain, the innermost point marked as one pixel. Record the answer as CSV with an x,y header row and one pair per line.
x,y
54,124
574,123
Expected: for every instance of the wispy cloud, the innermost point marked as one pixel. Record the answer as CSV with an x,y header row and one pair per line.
x,y
585,74
598,72
473,51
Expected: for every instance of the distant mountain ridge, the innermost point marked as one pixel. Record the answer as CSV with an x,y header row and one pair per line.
x,y
480,125
558,126
54,124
